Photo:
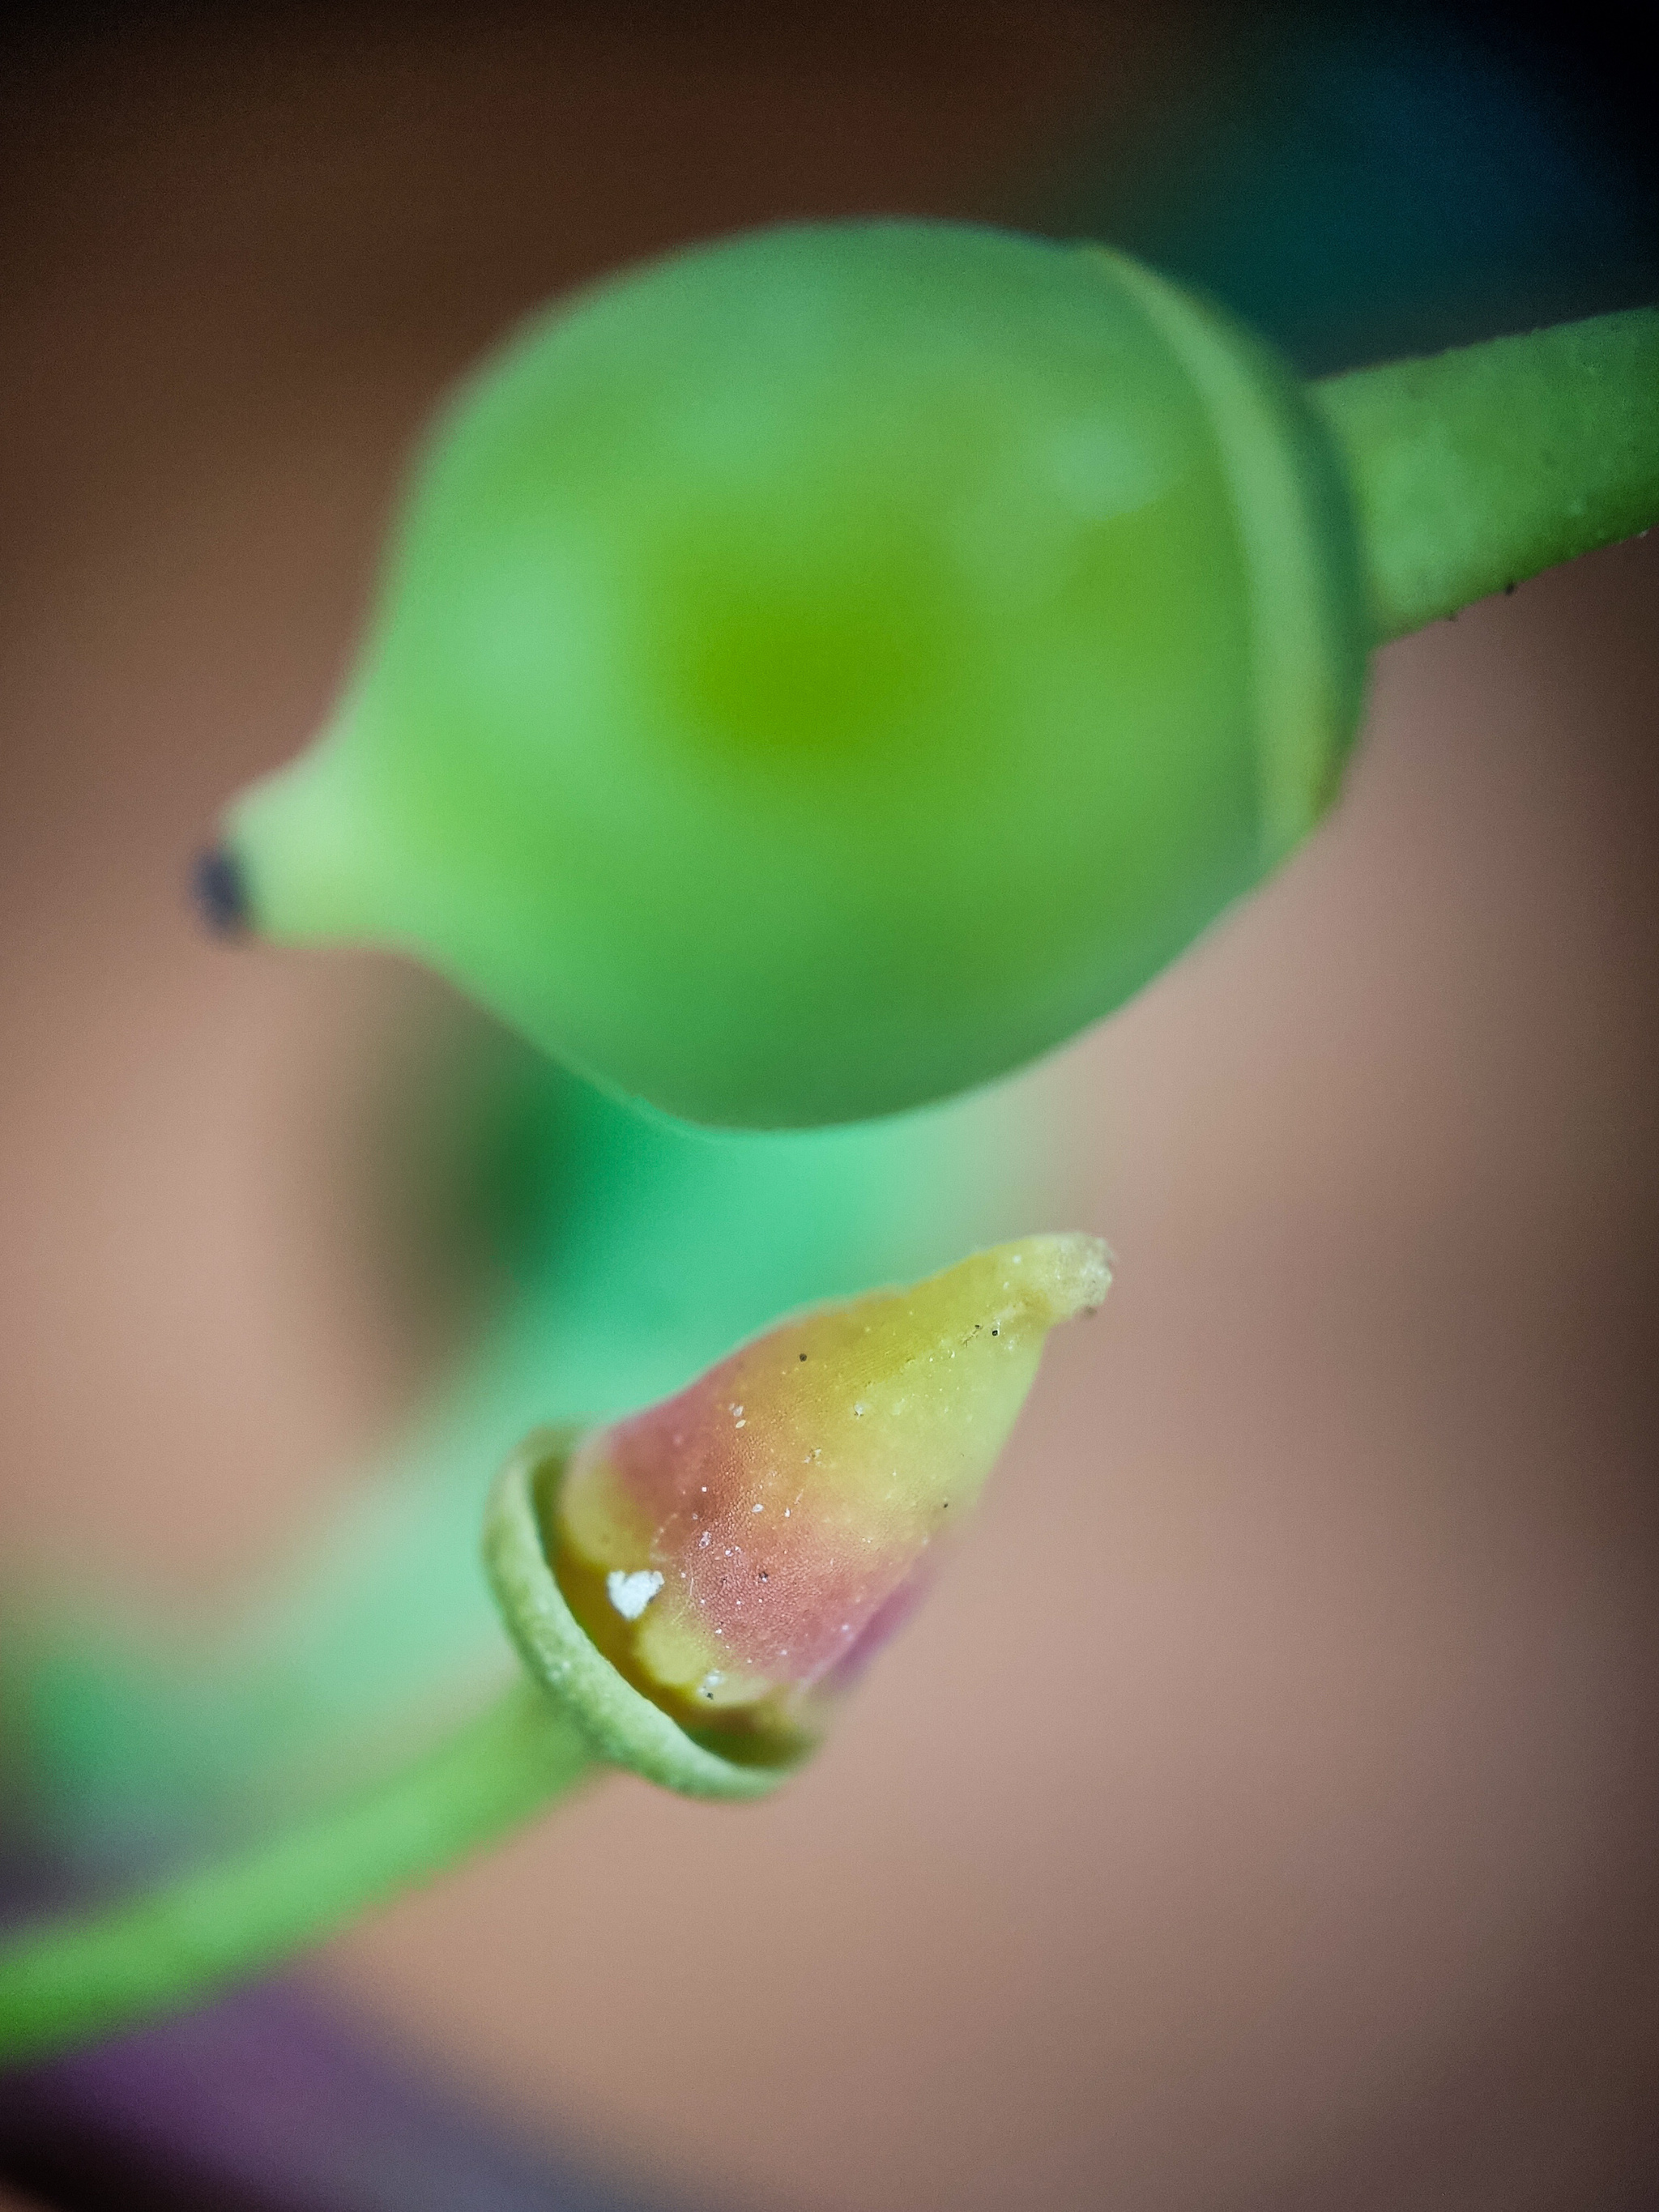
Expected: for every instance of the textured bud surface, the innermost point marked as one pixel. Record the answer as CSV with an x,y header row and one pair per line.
x,y
738,1550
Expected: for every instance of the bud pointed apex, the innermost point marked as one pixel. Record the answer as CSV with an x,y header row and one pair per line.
x,y
738,1550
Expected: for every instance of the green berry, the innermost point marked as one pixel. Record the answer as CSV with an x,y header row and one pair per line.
x,y
822,670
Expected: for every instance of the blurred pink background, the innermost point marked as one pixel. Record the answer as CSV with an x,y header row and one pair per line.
x,y
1264,1812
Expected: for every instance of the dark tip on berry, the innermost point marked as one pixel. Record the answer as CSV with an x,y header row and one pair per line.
x,y
219,891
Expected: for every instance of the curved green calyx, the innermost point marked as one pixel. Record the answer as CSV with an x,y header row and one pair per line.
x,y
621,1727
822,670
698,1583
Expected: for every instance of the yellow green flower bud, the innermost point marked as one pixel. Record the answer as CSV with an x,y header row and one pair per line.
x,y
722,1565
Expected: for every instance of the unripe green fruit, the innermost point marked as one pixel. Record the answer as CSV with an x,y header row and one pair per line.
x,y
822,670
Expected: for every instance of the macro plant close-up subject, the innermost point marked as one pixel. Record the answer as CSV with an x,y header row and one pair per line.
x,y
829,1173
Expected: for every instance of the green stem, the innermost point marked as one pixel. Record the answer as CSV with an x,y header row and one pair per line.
x,y
1479,467
90,1974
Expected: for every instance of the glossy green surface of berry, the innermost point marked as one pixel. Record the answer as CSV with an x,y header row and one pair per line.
x,y
822,670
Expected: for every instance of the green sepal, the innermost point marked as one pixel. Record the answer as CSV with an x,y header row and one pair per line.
x,y
623,1728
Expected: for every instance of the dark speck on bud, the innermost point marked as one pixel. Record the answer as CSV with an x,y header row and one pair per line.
x,y
219,892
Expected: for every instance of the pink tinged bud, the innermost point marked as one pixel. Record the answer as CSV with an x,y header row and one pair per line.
x,y
738,1550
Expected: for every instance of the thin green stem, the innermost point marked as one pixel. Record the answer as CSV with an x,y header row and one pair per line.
x,y
1482,466
89,1974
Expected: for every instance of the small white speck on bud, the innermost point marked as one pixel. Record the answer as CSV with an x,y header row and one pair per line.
x,y
631,1593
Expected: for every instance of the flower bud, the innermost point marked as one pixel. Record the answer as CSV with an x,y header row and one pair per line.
x,y
736,1552
823,669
